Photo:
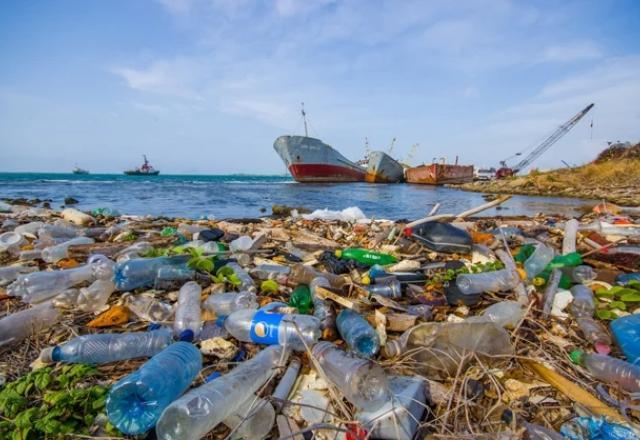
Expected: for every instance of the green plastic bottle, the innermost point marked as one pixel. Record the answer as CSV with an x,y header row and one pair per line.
x,y
366,256
301,299
525,252
569,260
565,281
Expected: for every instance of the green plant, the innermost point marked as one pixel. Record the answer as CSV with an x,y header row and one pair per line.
x,y
451,274
200,262
617,298
51,403
226,275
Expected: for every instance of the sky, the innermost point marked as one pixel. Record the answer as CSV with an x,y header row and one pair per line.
x,y
206,86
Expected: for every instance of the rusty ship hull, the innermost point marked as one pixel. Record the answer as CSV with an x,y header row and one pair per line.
x,y
311,160
439,174
382,168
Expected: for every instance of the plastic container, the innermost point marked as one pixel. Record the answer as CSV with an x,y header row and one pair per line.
x,y
358,333
10,273
58,231
583,305
224,304
301,299
365,256
264,327
389,287
506,314
626,331
136,401
246,282
29,228
611,370
96,296
301,274
271,272
502,280
361,381
102,348
142,272
567,260
580,274
569,239
10,241
58,252
188,322
149,308
288,380
20,325
203,408
538,261
550,292
323,309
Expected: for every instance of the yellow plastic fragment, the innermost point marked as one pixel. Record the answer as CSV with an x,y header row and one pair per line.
x,y
116,315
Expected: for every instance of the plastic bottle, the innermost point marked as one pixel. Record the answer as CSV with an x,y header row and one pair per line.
x,y
580,274
609,229
142,272
58,231
626,331
224,304
358,333
136,401
550,292
10,242
203,408
301,299
264,327
29,228
323,309
149,308
102,348
134,251
506,314
362,382
58,252
611,370
39,286
583,305
366,256
538,261
582,309
284,387
20,325
105,212
10,273
626,278
497,281
188,321
246,282
389,287
301,274
241,244
568,260
212,248
569,239
168,276
96,296
271,272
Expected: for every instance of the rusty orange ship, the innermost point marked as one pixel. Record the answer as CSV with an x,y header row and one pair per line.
x,y
440,173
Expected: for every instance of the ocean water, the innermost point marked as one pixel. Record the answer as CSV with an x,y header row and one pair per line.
x,y
241,196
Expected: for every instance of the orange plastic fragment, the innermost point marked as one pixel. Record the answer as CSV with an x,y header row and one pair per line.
x,y
481,237
67,263
116,315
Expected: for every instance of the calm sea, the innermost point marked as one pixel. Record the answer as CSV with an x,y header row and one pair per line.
x,y
237,196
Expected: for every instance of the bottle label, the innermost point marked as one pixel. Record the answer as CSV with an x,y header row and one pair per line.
x,y
264,327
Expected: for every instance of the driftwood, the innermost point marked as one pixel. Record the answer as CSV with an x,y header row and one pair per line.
x,y
463,214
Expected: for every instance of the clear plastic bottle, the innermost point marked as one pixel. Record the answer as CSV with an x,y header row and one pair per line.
x,y
301,274
246,282
20,325
506,314
169,276
224,304
582,309
569,239
188,321
583,304
241,244
271,272
203,408
29,228
10,273
361,381
58,231
550,292
388,286
497,281
323,309
142,272
11,242
253,420
580,274
538,261
611,370
609,229
58,252
284,387
87,299
150,309
136,401
102,348
358,333
264,327
136,250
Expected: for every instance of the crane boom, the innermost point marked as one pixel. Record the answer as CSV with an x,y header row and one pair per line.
x,y
546,144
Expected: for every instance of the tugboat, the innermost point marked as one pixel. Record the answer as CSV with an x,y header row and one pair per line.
x,y
311,160
78,170
143,170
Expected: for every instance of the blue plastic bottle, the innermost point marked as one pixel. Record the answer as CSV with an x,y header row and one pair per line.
x,y
625,278
136,401
626,331
357,333
142,272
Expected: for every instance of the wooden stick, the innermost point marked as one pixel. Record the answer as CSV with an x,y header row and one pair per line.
x,y
500,200
606,246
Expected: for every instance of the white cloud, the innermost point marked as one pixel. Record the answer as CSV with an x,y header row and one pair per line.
x,y
584,50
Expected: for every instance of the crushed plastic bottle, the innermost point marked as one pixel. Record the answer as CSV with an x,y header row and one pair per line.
x,y
87,299
538,261
501,280
608,369
135,402
103,348
580,274
301,274
224,304
271,272
203,408
569,239
10,242
358,333
389,287
142,272
506,314
365,256
265,327
323,309
361,381
596,428
56,253
246,282
626,331
149,309
188,321
20,325
10,273
241,244
300,298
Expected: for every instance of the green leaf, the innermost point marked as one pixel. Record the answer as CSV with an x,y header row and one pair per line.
x,y
634,284
631,296
604,314
604,293
42,381
24,419
269,286
225,271
618,305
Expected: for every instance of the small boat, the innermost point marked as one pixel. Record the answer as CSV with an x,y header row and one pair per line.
x,y
382,168
143,170
78,170
311,160
440,173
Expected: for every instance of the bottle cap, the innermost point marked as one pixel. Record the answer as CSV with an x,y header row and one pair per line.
x,y
212,376
220,320
186,335
49,356
338,253
153,326
577,357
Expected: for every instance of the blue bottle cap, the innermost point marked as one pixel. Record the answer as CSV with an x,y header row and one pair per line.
x,y
214,375
153,326
56,354
220,320
186,335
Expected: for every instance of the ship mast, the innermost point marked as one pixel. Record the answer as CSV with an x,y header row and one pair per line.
x,y
304,118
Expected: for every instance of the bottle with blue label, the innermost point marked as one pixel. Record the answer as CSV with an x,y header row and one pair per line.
x,y
266,326
135,402
358,333
626,331
103,348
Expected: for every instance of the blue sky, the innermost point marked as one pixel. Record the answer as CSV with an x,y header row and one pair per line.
x,y
205,86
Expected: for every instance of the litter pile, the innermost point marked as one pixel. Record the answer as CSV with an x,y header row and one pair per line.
x,y
329,325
